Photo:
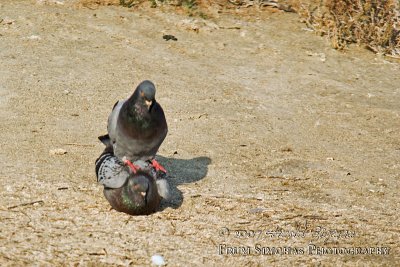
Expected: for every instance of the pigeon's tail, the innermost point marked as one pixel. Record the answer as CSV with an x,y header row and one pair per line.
x,y
163,188
105,139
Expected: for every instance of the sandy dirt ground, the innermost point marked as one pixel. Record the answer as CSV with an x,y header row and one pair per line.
x,y
270,131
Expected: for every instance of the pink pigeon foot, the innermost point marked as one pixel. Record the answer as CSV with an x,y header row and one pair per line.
x,y
158,166
133,167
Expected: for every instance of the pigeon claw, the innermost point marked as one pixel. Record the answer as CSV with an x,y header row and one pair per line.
x,y
133,167
158,166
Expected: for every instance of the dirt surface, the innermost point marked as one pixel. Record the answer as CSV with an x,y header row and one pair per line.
x,y
270,130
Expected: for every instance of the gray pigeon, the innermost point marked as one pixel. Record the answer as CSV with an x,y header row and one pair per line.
x,y
133,193
137,126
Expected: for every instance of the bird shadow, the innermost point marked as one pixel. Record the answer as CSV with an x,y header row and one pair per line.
x,y
182,171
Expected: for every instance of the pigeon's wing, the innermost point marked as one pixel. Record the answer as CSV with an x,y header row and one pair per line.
x,y
111,172
112,120
163,188
161,128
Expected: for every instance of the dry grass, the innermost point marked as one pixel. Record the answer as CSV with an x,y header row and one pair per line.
x,y
190,7
201,5
131,3
375,24
96,3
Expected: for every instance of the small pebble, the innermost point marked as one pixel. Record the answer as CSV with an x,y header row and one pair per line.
x,y
34,37
157,260
257,210
168,37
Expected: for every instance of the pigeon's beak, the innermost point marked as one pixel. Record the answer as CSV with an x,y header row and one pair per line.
x,y
143,194
148,103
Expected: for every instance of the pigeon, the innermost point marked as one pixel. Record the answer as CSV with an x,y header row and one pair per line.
x,y
137,127
136,193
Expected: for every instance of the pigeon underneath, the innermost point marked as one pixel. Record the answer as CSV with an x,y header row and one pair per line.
x,y
137,127
137,193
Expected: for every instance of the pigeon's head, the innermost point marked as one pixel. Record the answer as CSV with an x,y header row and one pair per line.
x,y
138,196
146,93
139,185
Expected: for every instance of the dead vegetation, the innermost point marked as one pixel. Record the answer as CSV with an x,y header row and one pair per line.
x,y
194,4
132,3
375,24
86,3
